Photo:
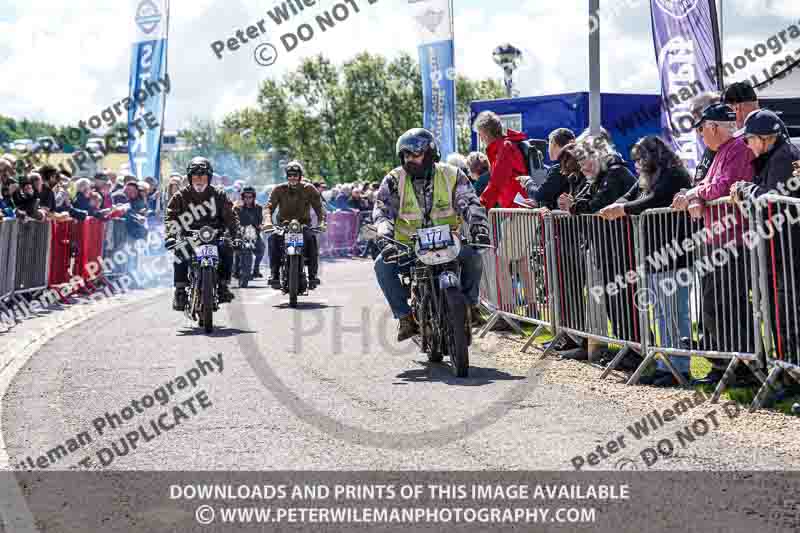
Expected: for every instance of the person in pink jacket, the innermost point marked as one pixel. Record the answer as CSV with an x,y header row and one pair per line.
x,y
727,316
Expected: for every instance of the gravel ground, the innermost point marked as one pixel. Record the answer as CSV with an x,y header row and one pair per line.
x,y
762,429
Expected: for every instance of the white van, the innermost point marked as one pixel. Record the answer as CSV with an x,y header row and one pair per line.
x,y
171,142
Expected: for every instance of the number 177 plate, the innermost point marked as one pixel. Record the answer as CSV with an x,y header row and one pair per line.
x,y
435,238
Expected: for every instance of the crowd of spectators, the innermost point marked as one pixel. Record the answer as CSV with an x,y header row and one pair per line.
x,y
748,153
46,193
359,196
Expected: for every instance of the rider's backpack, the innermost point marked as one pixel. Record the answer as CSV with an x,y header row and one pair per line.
x,y
532,153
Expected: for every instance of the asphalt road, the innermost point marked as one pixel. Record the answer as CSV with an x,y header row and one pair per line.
x,y
320,387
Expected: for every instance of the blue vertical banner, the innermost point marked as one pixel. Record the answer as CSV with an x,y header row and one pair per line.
x,y
147,99
434,23
687,43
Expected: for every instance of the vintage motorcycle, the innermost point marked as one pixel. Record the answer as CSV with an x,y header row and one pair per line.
x,y
245,255
203,246
437,302
293,276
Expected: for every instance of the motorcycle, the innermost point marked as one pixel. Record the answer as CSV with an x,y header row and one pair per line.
x,y
203,246
294,280
245,255
437,303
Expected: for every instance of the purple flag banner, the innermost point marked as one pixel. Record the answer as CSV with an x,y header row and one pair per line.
x,y
686,38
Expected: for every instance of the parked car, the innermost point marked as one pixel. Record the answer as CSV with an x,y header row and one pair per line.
x,y
24,145
95,143
48,144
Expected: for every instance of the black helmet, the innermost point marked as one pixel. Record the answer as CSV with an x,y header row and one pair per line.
x,y
418,141
295,166
199,166
249,190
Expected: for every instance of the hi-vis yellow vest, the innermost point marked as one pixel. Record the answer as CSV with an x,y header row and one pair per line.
x,y
409,219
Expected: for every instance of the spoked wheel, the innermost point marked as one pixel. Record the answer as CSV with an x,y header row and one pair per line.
x,y
294,279
456,334
431,337
245,269
207,300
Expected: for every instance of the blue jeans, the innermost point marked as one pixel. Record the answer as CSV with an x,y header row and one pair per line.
x,y
388,275
671,315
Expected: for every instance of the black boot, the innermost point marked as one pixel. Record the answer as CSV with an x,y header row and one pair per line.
x,y
275,279
406,328
225,294
179,300
257,273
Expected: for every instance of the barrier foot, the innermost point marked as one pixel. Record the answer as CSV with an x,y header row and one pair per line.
x,y
514,325
8,311
678,376
614,362
723,383
765,389
756,371
489,325
530,341
555,341
640,369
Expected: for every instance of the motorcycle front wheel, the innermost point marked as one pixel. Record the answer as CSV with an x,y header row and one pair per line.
x,y
207,282
294,279
458,344
431,342
245,268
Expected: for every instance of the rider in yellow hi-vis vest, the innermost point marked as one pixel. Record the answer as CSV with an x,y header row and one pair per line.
x,y
410,217
422,192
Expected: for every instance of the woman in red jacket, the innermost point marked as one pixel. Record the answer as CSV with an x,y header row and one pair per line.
x,y
505,158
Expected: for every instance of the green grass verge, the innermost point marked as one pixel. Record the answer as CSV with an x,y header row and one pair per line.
x,y
700,368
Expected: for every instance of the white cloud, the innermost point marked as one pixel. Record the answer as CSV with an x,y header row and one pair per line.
x,y
82,65
761,8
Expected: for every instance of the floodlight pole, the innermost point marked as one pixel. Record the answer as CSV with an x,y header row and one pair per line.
x,y
595,118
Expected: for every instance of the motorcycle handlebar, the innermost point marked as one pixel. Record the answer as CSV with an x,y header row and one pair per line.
x,y
283,229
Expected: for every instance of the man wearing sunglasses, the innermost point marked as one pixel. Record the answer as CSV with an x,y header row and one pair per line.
x,y
294,199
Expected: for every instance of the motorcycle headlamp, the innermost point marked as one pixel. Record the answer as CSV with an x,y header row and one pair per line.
x,y
250,233
206,234
294,226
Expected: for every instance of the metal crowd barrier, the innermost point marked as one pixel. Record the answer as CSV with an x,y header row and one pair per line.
x,y
8,256
590,256
521,270
62,240
40,255
340,237
661,284
114,240
33,256
699,296
776,235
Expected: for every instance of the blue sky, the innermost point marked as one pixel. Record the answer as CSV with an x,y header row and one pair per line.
x,y
63,61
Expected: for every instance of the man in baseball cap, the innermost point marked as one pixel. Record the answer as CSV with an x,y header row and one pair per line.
x,y
742,98
714,113
774,154
773,165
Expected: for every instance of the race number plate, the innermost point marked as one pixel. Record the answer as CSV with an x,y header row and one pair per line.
x,y
294,239
207,251
435,238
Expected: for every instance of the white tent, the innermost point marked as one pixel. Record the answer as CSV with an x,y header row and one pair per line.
x,y
788,87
